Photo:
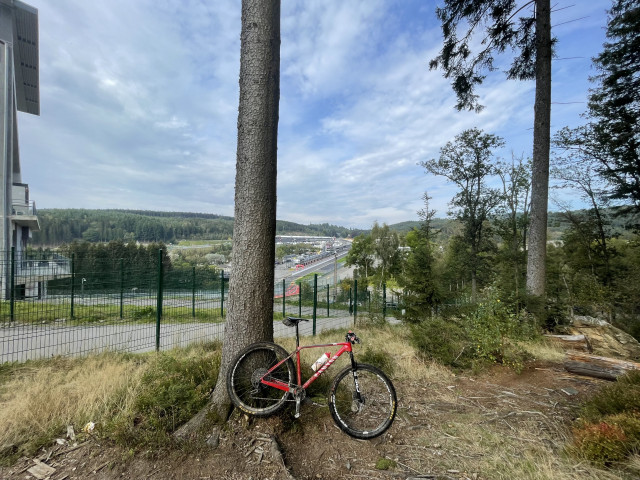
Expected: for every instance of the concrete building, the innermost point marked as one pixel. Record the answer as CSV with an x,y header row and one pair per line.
x,y
19,91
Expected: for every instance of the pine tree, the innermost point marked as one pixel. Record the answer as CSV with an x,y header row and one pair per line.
x,y
418,278
530,37
614,106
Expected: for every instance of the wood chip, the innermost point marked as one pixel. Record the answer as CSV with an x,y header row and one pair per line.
x,y
41,470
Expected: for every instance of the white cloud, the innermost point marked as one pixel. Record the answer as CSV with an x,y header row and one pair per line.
x,y
139,106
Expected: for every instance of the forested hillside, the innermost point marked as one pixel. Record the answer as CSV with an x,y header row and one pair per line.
x,y
59,226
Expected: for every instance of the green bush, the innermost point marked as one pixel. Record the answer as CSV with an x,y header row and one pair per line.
x,y
496,332
173,390
445,341
377,358
619,397
610,427
601,443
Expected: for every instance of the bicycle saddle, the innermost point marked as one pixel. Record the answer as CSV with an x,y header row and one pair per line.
x,y
293,321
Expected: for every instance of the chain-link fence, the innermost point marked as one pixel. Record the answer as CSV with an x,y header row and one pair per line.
x,y
52,305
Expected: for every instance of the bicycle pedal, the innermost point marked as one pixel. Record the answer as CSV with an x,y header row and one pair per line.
x,y
308,401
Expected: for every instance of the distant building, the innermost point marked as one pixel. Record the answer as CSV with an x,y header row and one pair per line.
x,y
19,91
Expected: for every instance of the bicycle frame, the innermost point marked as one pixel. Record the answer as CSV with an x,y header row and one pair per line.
x,y
280,385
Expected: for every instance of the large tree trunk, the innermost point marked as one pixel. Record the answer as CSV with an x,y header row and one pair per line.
x,y
598,367
250,305
536,269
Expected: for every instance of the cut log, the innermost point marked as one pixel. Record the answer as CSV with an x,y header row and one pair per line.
x,y
572,342
598,367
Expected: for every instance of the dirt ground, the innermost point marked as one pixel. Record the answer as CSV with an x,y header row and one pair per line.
x,y
428,439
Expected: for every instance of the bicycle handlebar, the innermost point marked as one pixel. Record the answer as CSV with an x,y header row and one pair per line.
x,y
351,337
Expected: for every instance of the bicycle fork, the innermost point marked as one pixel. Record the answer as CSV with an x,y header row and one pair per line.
x,y
358,399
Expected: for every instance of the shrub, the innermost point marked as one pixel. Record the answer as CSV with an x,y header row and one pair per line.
x,y
174,388
496,331
610,429
377,358
445,341
601,443
619,397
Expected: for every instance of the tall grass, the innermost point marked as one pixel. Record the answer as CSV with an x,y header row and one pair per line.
x,y
40,399
133,399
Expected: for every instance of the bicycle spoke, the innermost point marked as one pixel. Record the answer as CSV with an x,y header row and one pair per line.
x,y
366,415
244,381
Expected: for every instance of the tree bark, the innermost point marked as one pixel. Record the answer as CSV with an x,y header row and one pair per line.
x,y
598,367
536,254
250,304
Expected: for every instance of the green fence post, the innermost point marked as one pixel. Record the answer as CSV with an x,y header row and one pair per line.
x,y
12,300
284,305
121,288
73,280
328,313
300,299
159,302
315,300
384,300
222,293
355,300
193,293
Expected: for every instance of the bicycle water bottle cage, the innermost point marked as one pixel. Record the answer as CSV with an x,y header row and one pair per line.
x,y
293,321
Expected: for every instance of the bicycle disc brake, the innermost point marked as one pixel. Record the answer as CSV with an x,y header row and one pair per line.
x,y
256,377
357,405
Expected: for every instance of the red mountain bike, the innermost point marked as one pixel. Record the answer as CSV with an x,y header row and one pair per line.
x,y
262,378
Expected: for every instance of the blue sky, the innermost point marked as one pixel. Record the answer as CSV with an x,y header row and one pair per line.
x,y
139,102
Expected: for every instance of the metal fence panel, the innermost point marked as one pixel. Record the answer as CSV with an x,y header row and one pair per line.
x,y
52,305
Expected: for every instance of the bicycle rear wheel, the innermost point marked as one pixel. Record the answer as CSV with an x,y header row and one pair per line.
x,y
248,368
372,414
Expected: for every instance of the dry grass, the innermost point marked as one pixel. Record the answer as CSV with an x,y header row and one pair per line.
x,y
39,400
544,350
447,428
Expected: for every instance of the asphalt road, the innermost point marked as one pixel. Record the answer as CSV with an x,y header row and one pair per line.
x,y
29,342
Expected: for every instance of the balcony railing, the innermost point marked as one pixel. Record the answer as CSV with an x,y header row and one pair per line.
x,y
24,208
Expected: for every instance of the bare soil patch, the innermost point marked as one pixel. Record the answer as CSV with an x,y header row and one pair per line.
x,y
454,427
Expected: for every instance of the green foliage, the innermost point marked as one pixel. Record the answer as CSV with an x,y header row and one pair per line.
x,y
176,386
618,397
60,226
614,105
420,288
511,224
443,340
143,313
376,255
465,162
496,331
385,464
378,358
506,29
609,429
603,444
489,332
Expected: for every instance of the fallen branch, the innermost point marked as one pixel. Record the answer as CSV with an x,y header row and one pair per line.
x,y
598,367
572,342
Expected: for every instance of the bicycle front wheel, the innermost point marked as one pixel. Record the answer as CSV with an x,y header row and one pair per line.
x,y
244,385
373,412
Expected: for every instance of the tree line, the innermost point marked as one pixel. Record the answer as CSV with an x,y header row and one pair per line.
x,y
63,226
